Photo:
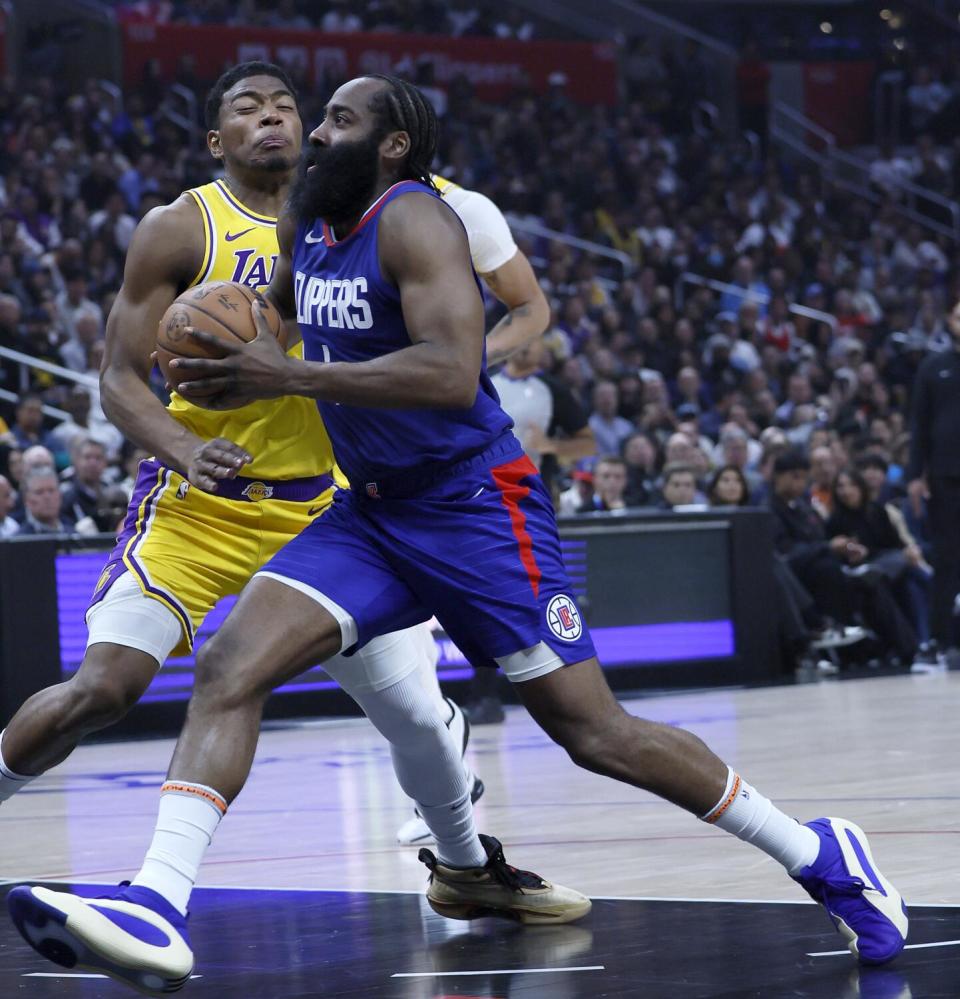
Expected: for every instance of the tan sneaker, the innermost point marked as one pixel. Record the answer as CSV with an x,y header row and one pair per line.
x,y
497,889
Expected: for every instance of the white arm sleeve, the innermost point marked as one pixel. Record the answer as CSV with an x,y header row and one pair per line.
x,y
491,242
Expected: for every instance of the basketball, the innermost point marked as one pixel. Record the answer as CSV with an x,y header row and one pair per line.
x,y
221,308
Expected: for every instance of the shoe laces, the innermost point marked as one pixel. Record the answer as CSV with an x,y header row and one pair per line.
x,y
506,874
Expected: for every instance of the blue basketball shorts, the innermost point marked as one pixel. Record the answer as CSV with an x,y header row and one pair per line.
x,y
476,545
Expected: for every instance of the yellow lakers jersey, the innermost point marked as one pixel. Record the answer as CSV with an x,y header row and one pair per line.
x,y
443,185
285,436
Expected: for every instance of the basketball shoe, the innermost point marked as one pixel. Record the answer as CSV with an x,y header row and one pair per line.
x,y
497,889
133,934
415,830
866,909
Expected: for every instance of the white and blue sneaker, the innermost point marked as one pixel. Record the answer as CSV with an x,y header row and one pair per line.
x,y
866,909
133,934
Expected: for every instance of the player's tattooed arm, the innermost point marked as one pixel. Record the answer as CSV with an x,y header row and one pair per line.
x,y
516,285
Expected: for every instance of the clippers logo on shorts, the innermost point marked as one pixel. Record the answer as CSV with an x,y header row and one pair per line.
x,y
257,491
564,618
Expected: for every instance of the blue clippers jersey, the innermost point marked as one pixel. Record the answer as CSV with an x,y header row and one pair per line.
x,y
347,311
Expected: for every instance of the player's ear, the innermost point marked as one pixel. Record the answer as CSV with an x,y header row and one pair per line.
x,y
213,144
395,146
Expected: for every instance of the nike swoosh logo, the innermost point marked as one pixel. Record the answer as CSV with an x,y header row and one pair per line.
x,y
310,238
231,236
314,510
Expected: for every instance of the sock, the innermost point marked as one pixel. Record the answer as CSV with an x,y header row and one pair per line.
x,y
188,817
755,819
426,759
453,828
428,674
10,782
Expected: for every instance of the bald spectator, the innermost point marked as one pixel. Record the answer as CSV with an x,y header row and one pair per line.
x,y
8,499
33,458
42,504
38,456
609,429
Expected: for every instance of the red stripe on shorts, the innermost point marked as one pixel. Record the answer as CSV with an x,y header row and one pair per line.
x,y
507,477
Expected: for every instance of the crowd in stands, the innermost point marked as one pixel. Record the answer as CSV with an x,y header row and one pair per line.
x,y
451,18
693,395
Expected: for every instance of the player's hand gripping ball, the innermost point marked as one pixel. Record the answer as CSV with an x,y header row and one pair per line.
x,y
220,308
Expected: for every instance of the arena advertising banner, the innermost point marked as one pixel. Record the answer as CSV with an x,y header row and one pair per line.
x,y
495,67
849,119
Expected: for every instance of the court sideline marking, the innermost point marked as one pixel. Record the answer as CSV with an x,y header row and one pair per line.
x,y
495,971
838,953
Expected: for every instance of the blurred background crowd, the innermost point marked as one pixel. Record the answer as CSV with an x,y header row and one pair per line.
x,y
729,324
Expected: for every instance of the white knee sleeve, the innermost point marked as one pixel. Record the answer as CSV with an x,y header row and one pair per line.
x,y
126,616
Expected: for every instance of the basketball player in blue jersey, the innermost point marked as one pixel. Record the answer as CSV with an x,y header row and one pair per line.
x,y
504,268
445,516
196,531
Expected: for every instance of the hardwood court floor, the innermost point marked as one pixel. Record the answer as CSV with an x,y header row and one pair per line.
x,y
321,810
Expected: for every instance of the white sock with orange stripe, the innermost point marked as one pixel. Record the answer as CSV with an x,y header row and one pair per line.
x,y
755,819
188,818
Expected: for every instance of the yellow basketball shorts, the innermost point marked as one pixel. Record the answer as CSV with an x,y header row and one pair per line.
x,y
188,548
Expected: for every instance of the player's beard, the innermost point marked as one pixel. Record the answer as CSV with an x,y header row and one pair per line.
x,y
341,184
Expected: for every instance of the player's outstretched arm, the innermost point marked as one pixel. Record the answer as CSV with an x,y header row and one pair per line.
x,y
506,271
517,287
424,251
163,257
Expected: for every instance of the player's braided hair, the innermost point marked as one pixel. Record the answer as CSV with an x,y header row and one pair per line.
x,y
402,106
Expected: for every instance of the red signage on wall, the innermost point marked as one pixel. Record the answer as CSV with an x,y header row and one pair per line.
x,y
495,67
836,95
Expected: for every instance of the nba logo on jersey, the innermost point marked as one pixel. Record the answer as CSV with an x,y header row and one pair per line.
x,y
564,618
372,491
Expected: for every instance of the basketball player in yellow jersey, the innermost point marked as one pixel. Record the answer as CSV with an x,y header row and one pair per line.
x,y
503,267
224,492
